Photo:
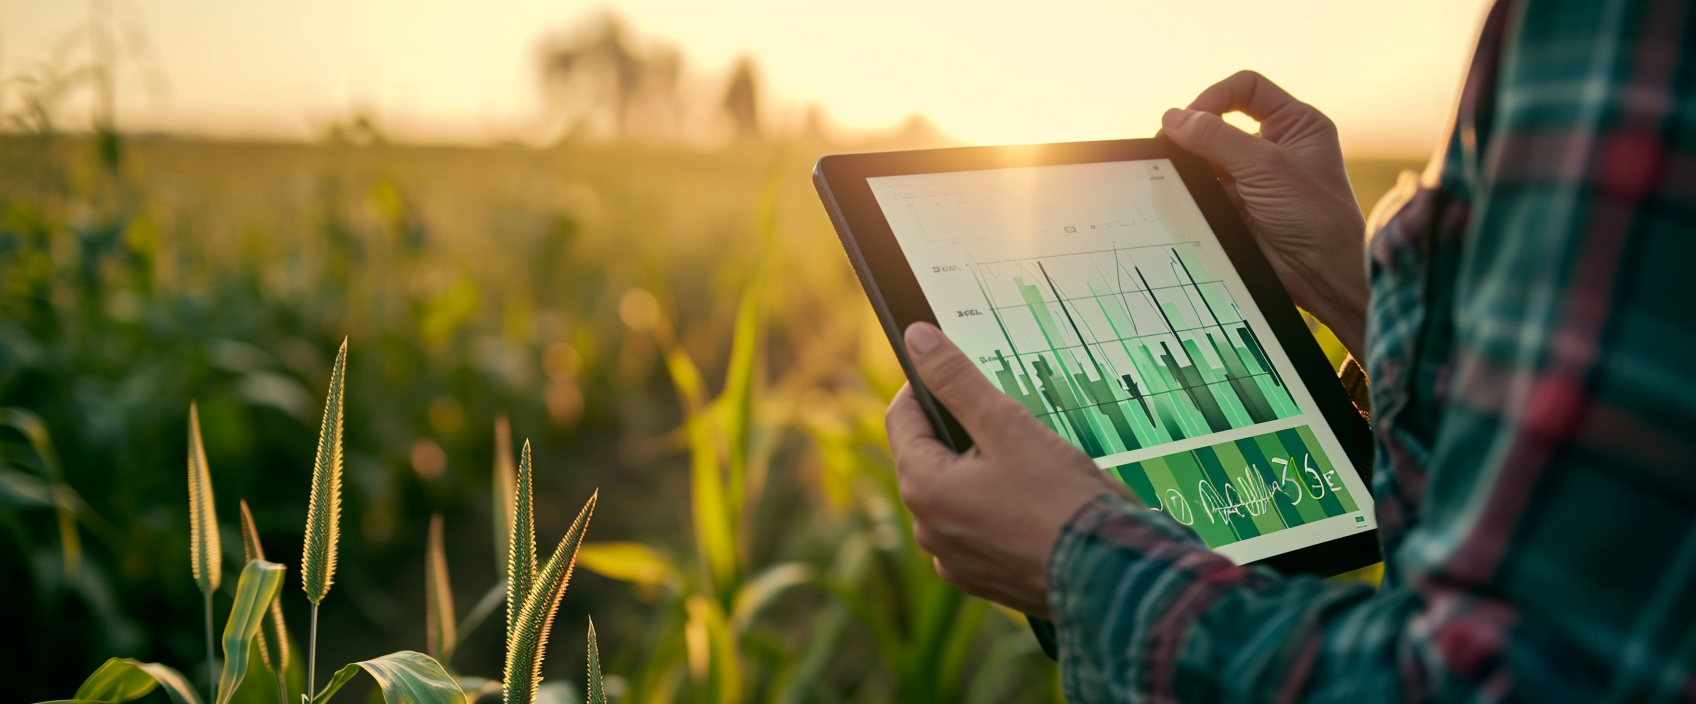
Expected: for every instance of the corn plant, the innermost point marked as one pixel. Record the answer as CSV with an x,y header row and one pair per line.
x,y
716,595
929,637
533,595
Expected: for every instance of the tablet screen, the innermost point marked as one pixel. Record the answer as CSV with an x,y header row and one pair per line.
x,y
1097,296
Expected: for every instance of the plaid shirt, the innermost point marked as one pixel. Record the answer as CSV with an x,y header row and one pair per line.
x,y
1532,350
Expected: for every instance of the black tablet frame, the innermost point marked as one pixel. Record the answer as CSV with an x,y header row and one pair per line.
x,y
894,291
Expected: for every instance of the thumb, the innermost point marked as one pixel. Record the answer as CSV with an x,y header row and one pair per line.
x,y
1210,137
956,382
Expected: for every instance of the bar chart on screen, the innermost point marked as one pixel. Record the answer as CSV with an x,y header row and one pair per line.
x,y
1125,348
1099,298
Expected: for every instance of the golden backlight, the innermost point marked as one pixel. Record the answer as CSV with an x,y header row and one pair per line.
x,y
983,72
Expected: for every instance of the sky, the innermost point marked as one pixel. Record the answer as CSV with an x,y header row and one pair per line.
x,y
985,72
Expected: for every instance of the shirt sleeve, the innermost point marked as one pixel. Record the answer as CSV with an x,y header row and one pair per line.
x,y
1353,379
1553,556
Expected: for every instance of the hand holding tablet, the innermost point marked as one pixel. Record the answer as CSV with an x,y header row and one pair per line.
x,y
1110,291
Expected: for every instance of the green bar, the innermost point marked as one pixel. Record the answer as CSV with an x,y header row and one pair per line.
x,y
1136,478
1325,465
1168,476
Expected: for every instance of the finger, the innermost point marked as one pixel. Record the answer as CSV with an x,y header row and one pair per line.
x,y
908,426
922,537
943,572
1250,93
917,452
956,382
1207,135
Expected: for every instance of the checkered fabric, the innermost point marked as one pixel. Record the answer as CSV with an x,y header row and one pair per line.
x,y
1532,351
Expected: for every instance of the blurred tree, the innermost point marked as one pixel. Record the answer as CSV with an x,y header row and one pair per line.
x,y
595,79
741,100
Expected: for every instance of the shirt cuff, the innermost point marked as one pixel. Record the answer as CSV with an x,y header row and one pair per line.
x,y
1117,574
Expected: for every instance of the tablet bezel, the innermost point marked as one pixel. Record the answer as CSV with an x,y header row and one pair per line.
x,y
894,291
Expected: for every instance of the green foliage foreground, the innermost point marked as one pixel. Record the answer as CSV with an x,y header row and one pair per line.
x,y
682,321
405,677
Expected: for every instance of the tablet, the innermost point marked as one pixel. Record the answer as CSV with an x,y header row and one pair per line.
x,y
1111,288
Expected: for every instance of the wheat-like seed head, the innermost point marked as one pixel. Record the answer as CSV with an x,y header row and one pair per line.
x,y
440,636
592,683
521,556
526,648
323,515
273,650
206,554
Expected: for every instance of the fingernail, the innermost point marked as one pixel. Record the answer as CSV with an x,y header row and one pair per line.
x,y
922,338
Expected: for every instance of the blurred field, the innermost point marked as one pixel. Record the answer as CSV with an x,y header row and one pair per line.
x,y
137,275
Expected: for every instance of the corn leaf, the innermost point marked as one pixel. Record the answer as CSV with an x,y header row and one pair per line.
x,y
35,430
629,562
714,532
255,592
438,597
206,555
521,552
597,689
714,535
25,490
407,677
273,645
715,644
736,403
492,599
505,477
323,514
124,679
738,397
762,590
527,646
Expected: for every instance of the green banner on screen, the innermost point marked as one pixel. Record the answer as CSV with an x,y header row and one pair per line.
x,y
1245,488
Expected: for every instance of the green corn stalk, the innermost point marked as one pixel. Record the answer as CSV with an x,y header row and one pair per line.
x,y
206,557
533,596
274,650
439,635
324,512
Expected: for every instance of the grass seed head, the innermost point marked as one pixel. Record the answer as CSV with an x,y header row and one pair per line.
x,y
323,514
206,554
